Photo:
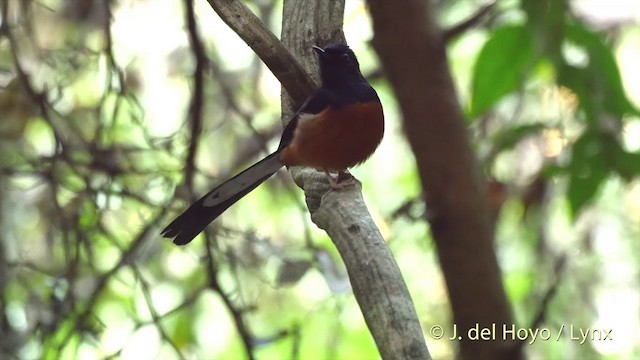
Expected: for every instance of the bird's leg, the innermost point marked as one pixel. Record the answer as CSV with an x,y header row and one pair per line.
x,y
344,179
332,182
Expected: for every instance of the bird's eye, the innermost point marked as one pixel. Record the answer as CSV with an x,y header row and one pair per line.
x,y
345,57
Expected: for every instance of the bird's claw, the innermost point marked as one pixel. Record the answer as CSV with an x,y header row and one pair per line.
x,y
343,180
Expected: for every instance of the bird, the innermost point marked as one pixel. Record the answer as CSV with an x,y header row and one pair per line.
x,y
339,126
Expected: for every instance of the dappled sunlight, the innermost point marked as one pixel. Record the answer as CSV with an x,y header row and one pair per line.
x,y
95,159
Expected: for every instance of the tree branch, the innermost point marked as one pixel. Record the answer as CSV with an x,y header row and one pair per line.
x,y
195,107
468,23
238,318
375,277
457,211
266,45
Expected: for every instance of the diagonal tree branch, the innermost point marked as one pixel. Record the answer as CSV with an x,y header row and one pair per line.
x,y
266,45
376,280
460,28
375,277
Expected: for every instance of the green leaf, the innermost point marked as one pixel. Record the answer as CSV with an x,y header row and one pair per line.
x,y
588,170
551,170
500,66
626,164
88,216
577,80
601,77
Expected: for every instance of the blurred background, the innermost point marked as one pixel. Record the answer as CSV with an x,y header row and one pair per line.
x,y
95,137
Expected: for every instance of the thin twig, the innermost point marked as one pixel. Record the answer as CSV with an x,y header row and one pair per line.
x,y
156,318
458,29
195,107
236,314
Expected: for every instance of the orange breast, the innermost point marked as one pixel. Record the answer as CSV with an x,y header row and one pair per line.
x,y
336,139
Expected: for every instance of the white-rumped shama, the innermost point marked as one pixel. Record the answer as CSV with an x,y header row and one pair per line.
x,y
339,126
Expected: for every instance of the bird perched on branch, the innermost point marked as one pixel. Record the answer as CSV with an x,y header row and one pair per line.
x,y
339,126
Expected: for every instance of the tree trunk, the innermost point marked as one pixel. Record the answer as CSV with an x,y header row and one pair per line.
x,y
457,211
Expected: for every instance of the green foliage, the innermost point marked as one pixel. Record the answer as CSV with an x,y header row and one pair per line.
x,y
601,96
587,171
92,165
579,120
500,67
598,84
595,156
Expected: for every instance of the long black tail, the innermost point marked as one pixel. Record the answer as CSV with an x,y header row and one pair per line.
x,y
191,222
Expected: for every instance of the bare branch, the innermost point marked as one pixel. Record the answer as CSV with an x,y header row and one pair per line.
x,y
468,23
375,278
195,107
236,314
267,46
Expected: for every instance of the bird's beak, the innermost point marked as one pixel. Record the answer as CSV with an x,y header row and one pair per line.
x,y
319,50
